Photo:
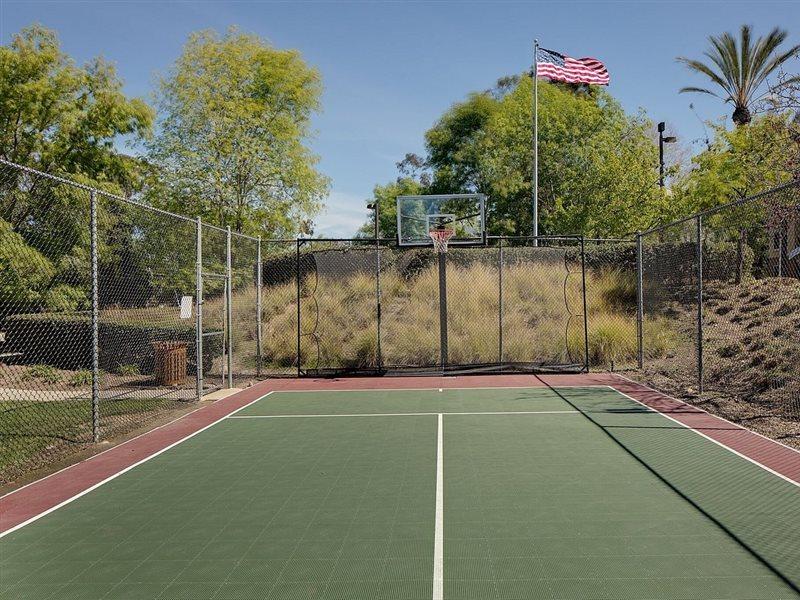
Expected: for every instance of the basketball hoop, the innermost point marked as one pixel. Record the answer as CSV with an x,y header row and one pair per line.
x,y
440,237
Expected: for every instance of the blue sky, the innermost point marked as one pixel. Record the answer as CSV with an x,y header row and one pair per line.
x,y
391,68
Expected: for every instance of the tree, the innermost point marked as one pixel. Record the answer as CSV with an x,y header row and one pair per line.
x,y
740,69
742,162
232,141
62,118
597,165
451,164
453,145
386,197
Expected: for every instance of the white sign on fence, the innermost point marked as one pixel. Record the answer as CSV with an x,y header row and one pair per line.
x,y
186,307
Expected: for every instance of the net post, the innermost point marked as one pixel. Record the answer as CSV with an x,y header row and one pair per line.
x,y
198,327
229,307
500,302
639,302
440,235
259,275
585,310
700,303
95,318
443,308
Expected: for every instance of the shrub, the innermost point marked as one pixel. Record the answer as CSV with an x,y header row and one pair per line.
x,y
45,373
128,370
80,378
126,337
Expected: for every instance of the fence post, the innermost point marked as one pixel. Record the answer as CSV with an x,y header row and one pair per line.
x,y
639,302
443,308
378,298
198,327
297,279
229,307
700,303
740,257
95,318
258,308
500,302
585,310
782,239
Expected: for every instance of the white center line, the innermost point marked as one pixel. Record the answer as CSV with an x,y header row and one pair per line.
x,y
438,543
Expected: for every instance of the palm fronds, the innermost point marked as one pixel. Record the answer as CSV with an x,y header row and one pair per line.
x,y
740,68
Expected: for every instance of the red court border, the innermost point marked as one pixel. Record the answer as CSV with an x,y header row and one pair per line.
x,y
28,502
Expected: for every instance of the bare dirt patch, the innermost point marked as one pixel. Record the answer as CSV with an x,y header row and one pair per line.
x,y
751,356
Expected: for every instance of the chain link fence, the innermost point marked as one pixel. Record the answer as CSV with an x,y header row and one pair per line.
x,y
99,315
371,307
114,314
721,311
611,291
46,318
279,292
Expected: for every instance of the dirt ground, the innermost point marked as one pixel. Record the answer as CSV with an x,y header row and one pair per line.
x,y
751,356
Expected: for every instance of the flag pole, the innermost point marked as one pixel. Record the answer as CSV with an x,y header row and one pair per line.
x,y
535,143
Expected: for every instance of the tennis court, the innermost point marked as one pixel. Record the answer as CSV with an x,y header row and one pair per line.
x,y
508,493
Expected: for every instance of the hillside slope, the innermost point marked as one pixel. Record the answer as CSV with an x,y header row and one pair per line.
x,y
751,356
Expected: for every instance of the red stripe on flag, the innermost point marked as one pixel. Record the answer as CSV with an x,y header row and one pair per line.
x,y
575,70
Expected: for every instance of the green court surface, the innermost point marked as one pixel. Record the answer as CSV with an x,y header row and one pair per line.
x,y
575,493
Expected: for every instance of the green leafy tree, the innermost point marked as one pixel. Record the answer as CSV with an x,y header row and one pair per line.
x,y
597,164
386,197
232,145
740,69
742,162
452,162
24,273
63,119
739,163
454,149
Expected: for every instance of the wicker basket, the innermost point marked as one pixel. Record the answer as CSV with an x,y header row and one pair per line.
x,y
170,362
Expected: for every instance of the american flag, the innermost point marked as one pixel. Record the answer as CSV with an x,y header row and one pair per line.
x,y
558,67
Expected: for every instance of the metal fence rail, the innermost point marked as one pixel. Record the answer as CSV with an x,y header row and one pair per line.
x,y
101,330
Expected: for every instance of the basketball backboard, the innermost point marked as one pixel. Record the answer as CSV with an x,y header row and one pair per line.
x,y
417,215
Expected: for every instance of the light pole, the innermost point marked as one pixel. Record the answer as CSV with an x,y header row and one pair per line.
x,y
662,139
375,207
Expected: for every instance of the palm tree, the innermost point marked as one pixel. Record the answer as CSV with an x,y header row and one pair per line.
x,y
742,68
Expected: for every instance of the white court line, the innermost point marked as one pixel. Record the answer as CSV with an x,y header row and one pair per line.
x,y
436,389
408,414
125,470
710,439
93,456
438,538
652,389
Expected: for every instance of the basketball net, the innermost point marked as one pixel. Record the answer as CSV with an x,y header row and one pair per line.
x,y
440,238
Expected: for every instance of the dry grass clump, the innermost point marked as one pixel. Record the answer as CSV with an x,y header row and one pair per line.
x,y
542,318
